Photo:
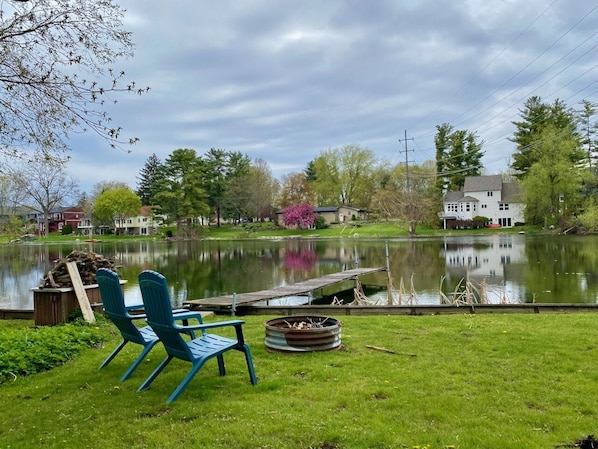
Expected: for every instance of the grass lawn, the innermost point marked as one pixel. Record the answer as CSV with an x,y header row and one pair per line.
x,y
263,230
453,381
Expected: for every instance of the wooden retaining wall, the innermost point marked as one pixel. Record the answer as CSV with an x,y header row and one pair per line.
x,y
413,310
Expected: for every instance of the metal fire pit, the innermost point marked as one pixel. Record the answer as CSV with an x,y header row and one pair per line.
x,y
303,334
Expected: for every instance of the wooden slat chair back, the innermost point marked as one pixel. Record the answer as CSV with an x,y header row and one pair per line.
x,y
116,310
156,300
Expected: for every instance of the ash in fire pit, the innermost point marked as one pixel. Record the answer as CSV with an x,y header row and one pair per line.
x,y
303,334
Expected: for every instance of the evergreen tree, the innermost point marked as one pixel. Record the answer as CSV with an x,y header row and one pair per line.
x,y
147,179
220,168
179,188
458,155
535,117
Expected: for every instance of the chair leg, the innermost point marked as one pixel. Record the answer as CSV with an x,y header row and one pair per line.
x,y
145,385
249,360
113,354
221,368
133,367
175,394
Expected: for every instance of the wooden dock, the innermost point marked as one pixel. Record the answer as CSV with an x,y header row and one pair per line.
x,y
297,289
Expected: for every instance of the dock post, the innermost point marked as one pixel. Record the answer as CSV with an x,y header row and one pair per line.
x,y
233,306
391,299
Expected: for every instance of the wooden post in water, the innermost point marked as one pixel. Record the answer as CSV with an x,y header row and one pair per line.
x,y
389,277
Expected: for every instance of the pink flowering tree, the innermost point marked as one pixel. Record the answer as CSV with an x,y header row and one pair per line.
x,y
301,215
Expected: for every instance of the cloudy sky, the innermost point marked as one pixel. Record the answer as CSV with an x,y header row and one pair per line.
x,y
283,80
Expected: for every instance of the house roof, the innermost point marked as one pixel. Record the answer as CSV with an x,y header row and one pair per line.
x,y
468,199
453,196
511,192
326,209
482,183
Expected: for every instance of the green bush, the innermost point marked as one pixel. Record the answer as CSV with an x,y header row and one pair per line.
x,y
67,229
33,350
320,222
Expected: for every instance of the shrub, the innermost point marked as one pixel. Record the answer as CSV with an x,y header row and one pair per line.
x,y
67,229
33,350
320,222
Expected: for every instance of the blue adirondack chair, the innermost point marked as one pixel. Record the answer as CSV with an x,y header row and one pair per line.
x,y
156,300
116,310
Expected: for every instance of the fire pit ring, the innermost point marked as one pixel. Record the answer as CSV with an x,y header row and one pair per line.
x,y
295,334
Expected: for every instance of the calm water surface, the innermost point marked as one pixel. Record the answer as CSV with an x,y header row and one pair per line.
x,y
511,268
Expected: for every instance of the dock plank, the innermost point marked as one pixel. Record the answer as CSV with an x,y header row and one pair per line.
x,y
297,289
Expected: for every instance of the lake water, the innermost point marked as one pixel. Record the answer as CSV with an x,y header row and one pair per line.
x,y
496,268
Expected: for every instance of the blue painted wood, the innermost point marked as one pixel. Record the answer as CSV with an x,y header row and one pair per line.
x,y
115,309
156,300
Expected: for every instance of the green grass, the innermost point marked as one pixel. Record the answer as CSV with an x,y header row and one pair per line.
x,y
254,231
462,381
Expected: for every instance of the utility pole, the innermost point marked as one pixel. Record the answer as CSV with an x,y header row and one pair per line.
x,y
406,158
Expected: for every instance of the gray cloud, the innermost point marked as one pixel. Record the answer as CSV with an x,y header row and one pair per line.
x,y
284,80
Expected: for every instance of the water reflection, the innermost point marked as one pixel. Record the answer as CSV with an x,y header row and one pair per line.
x,y
513,268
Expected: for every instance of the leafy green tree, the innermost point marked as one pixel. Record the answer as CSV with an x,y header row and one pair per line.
x,y
147,178
458,155
345,176
589,217
535,117
552,187
57,72
116,205
179,189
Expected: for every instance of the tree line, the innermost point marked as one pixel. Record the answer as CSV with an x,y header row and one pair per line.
x,y
555,161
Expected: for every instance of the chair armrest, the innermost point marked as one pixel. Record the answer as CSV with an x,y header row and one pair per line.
x,y
183,314
235,323
134,307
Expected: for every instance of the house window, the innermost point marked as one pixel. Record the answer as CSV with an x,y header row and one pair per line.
x,y
503,206
484,206
467,207
490,193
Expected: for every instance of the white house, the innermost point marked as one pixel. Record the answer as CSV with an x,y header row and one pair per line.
x,y
486,196
145,223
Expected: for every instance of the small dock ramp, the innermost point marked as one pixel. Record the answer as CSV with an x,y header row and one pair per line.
x,y
297,289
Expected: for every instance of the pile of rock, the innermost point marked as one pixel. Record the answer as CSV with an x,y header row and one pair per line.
x,y
87,263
